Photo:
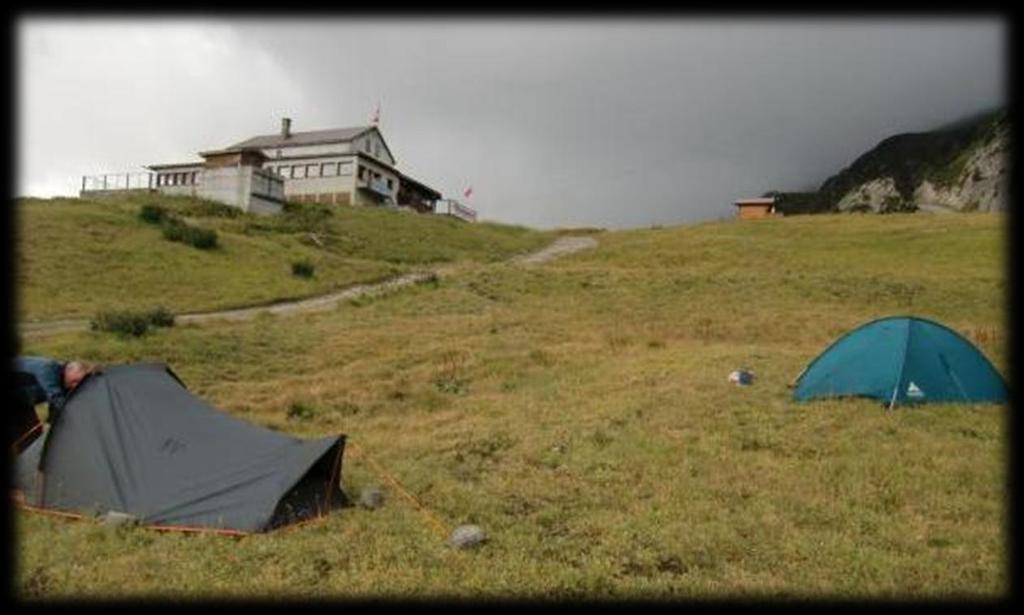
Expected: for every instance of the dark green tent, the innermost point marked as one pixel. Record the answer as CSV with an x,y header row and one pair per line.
x,y
132,439
902,359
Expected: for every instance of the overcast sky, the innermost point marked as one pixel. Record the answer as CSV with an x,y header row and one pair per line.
x,y
554,122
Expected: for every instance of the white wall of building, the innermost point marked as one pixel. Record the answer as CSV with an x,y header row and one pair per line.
x,y
247,188
370,143
328,149
373,145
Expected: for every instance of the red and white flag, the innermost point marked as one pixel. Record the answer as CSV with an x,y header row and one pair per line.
x,y
376,115
468,192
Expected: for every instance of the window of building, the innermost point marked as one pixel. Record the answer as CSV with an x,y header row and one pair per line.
x,y
195,177
376,149
366,146
329,169
298,171
312,170
389,184
344,168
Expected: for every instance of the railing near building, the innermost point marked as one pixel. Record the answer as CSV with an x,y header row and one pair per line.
x,y
451,207
118,181
267,184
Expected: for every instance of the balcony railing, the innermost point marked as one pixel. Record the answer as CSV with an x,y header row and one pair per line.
x,y
451,207
118,181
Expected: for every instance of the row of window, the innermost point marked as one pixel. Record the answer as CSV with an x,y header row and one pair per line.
x,y
294,171
319,169
188,178
325,169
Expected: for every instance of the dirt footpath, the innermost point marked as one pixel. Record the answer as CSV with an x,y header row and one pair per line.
x,y
560,247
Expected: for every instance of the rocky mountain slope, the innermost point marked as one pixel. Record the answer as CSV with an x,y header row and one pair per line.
x,y
963,167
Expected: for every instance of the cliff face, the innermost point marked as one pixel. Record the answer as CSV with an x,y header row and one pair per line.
x,y
962,167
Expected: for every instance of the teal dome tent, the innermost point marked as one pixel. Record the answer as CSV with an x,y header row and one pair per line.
x,y
902,359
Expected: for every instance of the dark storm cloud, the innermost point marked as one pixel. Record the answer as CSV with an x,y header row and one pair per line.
x,y
590,122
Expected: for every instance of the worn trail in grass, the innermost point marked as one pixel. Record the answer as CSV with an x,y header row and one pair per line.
x,y
76,257
558,248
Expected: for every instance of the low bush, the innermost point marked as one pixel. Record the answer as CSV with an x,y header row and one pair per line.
x,y
303,269
131,323
177,230
152,213
160,317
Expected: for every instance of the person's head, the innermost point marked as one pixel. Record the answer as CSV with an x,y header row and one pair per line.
x,y
74,372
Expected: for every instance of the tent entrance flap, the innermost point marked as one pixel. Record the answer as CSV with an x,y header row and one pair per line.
x,y
316,494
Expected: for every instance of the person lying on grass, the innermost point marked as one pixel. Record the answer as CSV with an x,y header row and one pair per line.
x,y
39,379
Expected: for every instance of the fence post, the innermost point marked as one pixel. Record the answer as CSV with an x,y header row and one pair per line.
x,y
83,183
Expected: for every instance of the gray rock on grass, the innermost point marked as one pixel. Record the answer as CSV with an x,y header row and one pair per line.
x,y
372,498
467,536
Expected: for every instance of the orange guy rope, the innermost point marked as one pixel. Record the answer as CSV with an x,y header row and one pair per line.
x,y
437,524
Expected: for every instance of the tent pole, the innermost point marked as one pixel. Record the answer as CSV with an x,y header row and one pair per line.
x,y
903,364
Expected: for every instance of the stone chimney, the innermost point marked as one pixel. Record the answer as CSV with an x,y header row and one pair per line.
x,y
286,127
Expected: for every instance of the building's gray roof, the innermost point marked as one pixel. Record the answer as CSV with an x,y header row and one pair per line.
x,y
314,137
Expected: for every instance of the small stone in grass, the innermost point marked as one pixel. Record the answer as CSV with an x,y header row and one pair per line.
x,y
371,498
467,536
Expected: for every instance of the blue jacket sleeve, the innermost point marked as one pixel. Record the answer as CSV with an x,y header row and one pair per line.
x,y
49,375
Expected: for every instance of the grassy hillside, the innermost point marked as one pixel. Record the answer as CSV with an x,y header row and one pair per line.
x,y
76,257
580,412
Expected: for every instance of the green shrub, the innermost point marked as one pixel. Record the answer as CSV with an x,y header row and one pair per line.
x,y
204,239
175,229
120,322
131,323
160,317
152,213
303,268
